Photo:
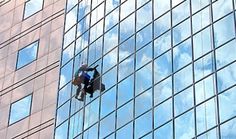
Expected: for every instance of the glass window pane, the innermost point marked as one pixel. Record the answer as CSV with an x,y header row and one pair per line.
x,y
203,17
162,67
163,113
127,8
110,60
164,132
126,67
227,104
61,131
83,25
144,56
205,89
160,7
203,67
95,51
184,126
32,6
127,27
91,113
176,2
112,18
70,4
224,30
143,102
182,54
181,32
212,134
143,79
198,4
81,42
84,8
108,102
91,133
110,39
69,37
20,109
162,90
125,114
68,53
162,44
64,94
181,12
206,115
107,126
110,79
27,54
125,90
183,101
221,8
225,54
71,18
125,132
162,24
76,124
96,31
228,129
144,15
97,13
63,113
126,48
181,80
66,74
202,43
111,4
144,36
226,77
143,125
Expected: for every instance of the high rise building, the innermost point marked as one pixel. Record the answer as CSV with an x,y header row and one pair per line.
x,y
168,67
31,33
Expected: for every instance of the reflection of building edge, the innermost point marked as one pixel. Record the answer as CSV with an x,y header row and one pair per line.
x,y
169,98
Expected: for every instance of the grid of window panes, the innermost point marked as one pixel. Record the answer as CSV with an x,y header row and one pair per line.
x,y
168,66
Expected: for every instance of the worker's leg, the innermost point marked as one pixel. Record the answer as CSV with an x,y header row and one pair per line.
x,y
78,91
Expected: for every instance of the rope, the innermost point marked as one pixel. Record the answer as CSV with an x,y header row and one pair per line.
x,y
203,71
80,62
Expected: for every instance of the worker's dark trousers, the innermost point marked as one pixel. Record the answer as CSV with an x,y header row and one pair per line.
x,y
86,83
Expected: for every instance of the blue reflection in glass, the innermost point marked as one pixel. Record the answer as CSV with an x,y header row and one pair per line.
x,y
27,55
32,6
20,109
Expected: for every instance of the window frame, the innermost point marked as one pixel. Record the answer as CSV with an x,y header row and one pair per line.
x,y
30,109
26,17
16,68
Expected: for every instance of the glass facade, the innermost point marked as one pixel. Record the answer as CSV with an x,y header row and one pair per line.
x,y
168,66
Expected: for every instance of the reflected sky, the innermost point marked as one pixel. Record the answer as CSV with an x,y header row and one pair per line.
x,y
167,64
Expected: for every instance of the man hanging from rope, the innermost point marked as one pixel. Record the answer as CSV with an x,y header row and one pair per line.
x,y
81,77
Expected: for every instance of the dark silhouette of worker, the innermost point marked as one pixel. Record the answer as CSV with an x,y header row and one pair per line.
x,y
90,86
81,77
95,83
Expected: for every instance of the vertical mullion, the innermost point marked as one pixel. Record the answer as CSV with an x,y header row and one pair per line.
x,y
153,68
117,69
215,73
59,72
135,37
172,68
86,61
193,71
234,16
100,94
